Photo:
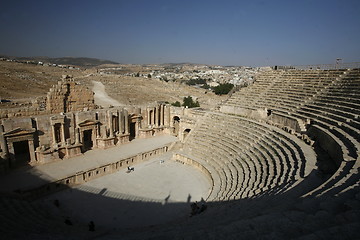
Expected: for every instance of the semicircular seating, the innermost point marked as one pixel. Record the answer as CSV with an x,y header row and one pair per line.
x,y
269,177
249,157
266,181
328,99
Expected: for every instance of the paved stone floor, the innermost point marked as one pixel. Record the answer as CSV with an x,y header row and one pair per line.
x,y
158,191
31,177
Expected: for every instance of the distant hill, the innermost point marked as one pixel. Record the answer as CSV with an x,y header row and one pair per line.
x,y
76,61
81,61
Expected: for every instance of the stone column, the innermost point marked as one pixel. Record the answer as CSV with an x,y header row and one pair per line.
x,y
126,122
157,116
148,117
110,122
77,136
140,122
97,130
167,116
62,129
137,127
153,116
121,122
32,151
93,137
111,129
11,153
72,127
53,134
161,115
3,144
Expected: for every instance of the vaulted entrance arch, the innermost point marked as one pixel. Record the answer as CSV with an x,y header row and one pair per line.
x,y
176,125
186,133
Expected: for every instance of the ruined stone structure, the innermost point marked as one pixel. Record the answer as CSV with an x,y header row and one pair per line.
x,y
282,155
68,96
71,125
51,137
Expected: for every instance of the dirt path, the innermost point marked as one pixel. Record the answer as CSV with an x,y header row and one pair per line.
x,y
101,97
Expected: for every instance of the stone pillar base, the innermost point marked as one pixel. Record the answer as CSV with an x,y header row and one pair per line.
x,y
72,150
123,138
104,143
158,131
46,156
146,133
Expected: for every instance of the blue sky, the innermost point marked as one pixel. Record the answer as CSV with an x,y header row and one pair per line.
x,y
249,33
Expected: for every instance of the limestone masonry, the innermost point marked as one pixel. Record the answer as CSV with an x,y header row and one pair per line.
x,y
70,125
281,156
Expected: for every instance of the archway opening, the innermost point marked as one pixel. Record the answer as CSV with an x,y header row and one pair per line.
x,y
176,124
87,140
186,133
268,112
115,123
22,152
57,131
132,130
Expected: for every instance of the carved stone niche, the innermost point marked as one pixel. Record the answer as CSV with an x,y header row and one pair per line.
x,y
20,146
58,131
87,134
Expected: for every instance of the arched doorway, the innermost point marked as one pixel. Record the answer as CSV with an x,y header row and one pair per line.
x,y
186,133
176,125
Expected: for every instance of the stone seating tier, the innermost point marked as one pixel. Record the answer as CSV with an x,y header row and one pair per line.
x,y
217,156
258,165
347,134
265,158
329,99
19,217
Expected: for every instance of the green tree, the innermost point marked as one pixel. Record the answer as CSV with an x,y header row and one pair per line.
x,y
189,102
205,86
192,82
176,104
223,88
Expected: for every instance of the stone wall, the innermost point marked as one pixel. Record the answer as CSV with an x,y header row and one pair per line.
x,y
15,109
88,175
66,123
52,137
66,96
183,121
69,96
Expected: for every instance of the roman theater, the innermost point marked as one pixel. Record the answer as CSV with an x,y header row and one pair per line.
x,y
278,159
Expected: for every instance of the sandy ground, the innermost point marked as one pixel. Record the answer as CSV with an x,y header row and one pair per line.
x,y
101,97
